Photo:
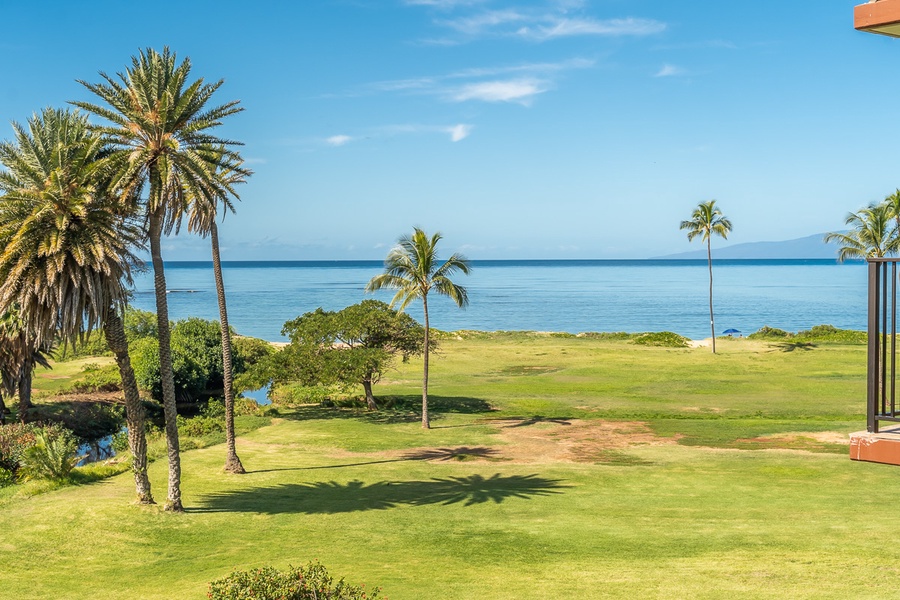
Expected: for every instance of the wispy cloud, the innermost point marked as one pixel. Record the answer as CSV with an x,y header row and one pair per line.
x,y
459,132
514,90
609,27
456,132
537,22
338,140
488,84
669,71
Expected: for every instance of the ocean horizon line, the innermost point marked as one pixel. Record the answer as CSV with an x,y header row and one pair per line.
x,y
515,262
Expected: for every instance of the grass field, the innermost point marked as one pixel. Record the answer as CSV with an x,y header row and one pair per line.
x,y
556,468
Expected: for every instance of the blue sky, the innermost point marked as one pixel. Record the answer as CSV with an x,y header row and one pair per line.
x,y
543,129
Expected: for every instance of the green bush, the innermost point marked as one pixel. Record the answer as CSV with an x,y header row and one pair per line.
x,y
53,456
607,335
829,333
120,441
245,406
301,394
15,438
199,426
311,582
769,333
7,477
665,339
95,378
93,344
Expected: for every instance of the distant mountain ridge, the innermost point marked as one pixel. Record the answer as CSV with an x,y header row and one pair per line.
x,y
811,246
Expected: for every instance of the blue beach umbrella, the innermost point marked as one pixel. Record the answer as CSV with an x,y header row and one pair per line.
x,y
730,331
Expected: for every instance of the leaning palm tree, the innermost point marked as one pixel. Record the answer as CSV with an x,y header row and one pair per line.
x,y
892,201
202,220
160,127
411,268
67,248
872,233
706,221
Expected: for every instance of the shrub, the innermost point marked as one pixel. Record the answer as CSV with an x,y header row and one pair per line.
x,y
665,339
96,379
245,406
301,394
6,477
768,333
94,344
199,426
829,333
311,582
119,441
15,438
607,335
53,456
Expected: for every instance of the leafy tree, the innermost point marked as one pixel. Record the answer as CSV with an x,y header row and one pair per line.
x,y
140,324
354,345
412,268
67,250
706,221
161,127
871,234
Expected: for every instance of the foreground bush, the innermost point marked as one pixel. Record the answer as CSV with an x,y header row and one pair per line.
x,y
665,339
311,582
53,456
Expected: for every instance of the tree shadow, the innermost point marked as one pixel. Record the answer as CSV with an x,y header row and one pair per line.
x,y
791,346
395,409
332,497
534,420
461,453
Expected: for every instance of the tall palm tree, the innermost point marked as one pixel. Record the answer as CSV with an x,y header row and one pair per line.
x,y
872,233
160,127
706,221
202,220
67,248
893,203
411,268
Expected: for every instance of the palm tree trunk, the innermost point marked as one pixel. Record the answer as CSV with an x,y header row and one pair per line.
x,y
173,500
25,389
3,410
426,423
712,322
232,462
370,397
134,410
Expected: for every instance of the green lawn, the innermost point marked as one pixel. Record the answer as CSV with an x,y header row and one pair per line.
x,y
714,500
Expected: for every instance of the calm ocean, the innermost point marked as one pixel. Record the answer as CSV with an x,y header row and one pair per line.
x,y
551,295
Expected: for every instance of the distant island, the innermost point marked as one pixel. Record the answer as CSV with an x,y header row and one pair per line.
x,y
811,246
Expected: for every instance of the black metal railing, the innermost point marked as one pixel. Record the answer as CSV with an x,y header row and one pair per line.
x,y
882,355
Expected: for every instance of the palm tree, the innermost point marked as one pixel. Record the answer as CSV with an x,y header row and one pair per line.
x,y
67,248
706,221
20,353
202,220
893,203
160,126
872,235
411,268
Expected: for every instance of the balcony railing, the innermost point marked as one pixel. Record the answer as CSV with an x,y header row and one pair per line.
x,y
882,354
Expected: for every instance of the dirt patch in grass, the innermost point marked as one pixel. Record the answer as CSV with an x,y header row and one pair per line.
x,y
573,440
813,441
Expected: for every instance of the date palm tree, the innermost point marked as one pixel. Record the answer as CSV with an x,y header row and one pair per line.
x,y
872,233
67,248
160,127
20,354
892,201
412,269
202,220
705,222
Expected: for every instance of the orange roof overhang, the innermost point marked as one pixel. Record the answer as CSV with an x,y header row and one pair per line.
x,y
879,16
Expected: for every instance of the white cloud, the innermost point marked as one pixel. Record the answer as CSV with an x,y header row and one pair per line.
x,y
610,27
444,4
669,71
459,132
485,21
513,90
338,140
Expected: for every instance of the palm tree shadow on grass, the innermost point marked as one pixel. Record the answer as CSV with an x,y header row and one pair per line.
x,y
459,453
396,409
332,497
